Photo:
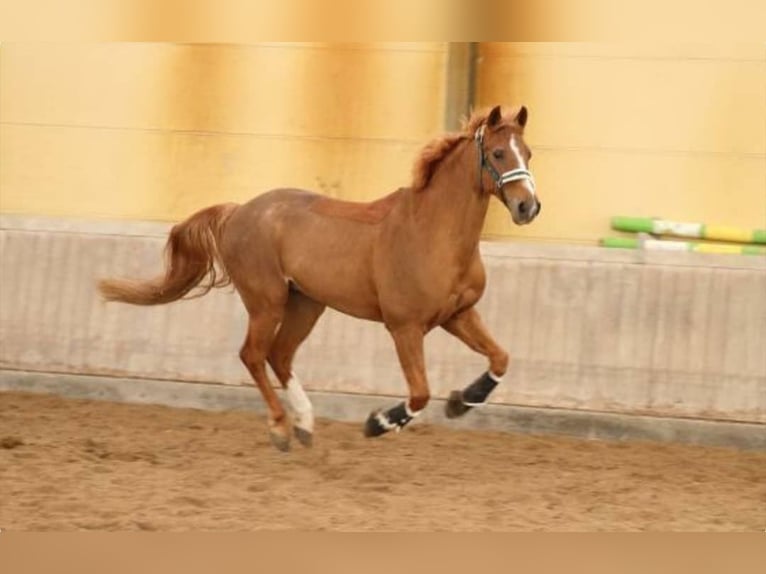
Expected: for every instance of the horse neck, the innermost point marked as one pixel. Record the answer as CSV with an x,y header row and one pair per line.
x,y
451,209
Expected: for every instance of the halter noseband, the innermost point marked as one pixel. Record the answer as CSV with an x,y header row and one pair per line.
x,y
500,179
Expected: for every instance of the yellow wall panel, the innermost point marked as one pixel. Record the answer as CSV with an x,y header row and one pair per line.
x,y
115,84
581,190
168,175
155,131
669,131
211,169
334,91
667,104
71,171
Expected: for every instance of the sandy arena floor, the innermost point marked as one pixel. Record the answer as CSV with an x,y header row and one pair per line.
x,y
74,464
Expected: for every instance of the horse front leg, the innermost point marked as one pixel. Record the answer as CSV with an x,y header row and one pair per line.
x,y
469,328
409,348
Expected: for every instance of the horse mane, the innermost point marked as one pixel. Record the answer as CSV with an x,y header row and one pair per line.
x,y
436,150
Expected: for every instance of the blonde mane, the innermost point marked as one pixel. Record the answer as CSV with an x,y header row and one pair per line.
x,y
435,151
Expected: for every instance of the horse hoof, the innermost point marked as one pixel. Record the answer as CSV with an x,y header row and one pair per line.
x,y
280,441
306,438
455,407
373,427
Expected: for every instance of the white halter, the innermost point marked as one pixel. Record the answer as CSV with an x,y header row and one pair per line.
x,y
506,177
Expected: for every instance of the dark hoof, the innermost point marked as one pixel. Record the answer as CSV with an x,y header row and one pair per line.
x,y
304,437
455,407
373,426
280,441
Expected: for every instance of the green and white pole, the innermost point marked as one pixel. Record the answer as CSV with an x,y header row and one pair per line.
x,y
665,245
683,229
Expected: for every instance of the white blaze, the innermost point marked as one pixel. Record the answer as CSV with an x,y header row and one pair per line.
x,y
522,164
300,404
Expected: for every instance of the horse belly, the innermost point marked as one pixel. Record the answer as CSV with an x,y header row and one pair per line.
x,y
336,272
343,296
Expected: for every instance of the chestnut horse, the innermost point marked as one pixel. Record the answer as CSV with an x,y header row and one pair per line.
x,y
409,260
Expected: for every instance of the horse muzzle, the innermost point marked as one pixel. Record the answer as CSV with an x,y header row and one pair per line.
x,y
524,211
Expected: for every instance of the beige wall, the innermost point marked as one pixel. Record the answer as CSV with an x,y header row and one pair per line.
x,y
671,131
154,131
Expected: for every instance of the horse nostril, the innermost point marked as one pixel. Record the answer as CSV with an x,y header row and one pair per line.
x,y
523,207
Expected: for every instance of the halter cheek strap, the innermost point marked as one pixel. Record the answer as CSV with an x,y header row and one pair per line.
x,y
500,179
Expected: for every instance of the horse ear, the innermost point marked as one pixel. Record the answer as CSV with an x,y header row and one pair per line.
x,y
521,117
494,116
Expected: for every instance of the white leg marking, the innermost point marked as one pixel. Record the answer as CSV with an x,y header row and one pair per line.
x,y
494,377
384,422
300,404
409,411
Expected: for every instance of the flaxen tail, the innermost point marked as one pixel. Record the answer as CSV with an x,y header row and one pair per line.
x,y
192,256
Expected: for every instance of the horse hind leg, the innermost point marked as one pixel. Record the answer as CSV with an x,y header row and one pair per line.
x,y
260,334
301,314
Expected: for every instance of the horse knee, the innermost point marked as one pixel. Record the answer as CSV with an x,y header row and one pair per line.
x,y
249,356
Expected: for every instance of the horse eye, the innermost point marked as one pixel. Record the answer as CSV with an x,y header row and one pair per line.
x,y
498,154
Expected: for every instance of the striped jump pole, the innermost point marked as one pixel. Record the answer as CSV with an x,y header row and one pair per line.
x,y
665,245
683,229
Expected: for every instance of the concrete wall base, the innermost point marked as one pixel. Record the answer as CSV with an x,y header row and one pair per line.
x,y
662,334
355,408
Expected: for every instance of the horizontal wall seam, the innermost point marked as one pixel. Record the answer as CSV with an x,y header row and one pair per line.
x,y
7,372
394,141
333,47
353,407
9,368
215,133
627,150
677,59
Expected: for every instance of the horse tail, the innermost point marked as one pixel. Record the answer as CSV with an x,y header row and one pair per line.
x,y
192,256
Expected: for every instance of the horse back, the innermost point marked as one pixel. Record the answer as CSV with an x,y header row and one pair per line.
x,y
362,212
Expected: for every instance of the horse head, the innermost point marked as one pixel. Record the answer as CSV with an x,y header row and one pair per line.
x,y
505,156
